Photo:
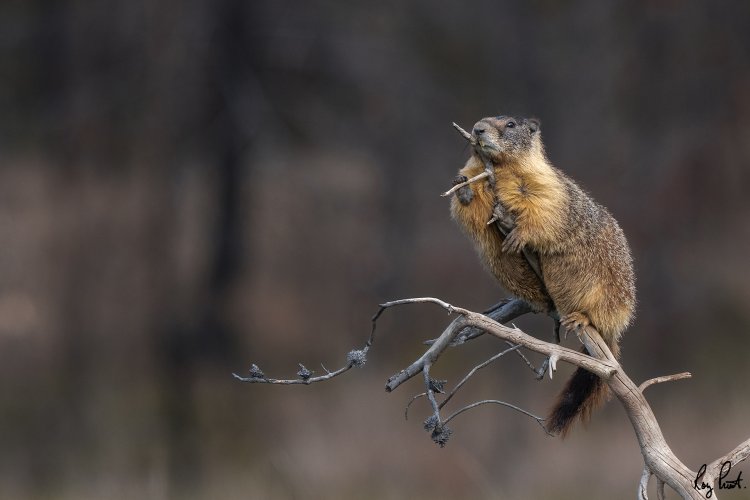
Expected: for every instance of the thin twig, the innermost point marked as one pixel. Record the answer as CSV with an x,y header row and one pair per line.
x,y
458,186
355,358
464,133
418,300
666,378
488,166
254,379
431,395
474,370
539,420
406,410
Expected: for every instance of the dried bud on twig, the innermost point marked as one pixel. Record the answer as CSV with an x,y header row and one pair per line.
x,y
441,435
430,423
437,385
356,357
303,372
256,372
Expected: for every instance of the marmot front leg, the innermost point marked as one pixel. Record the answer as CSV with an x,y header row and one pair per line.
x,y
514,241
502,217
464,193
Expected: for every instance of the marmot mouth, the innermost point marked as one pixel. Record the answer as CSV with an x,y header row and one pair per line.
x,y
486,147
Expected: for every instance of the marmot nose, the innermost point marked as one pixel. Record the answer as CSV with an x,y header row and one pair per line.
x,y
479,129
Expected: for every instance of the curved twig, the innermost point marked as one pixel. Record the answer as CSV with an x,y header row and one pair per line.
x,y
474,370
354,358
539,420
408,405
666,378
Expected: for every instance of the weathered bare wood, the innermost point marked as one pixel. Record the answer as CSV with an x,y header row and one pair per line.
x,y
507,312
659,459
643,484
666,378
737,455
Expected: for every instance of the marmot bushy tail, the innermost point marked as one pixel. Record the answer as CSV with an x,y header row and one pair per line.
x,y
586,265
583,392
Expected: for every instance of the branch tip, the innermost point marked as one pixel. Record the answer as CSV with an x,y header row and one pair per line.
x,y
666,378
441,435
464,133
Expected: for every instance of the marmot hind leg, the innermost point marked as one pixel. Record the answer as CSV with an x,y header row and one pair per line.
x,y
574,322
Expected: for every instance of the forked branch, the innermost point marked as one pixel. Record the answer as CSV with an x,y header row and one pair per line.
x,y
659,460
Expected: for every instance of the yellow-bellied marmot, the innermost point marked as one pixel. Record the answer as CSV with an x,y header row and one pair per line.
x,y
585,261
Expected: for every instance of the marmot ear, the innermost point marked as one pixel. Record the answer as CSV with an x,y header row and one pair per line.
x,y
534,125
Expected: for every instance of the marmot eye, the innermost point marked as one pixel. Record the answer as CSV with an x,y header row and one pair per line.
x,y
510,124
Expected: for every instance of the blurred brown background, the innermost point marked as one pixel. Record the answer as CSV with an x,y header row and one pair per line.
x,y
189,187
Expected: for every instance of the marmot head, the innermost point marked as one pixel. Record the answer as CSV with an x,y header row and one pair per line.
x,y
504,138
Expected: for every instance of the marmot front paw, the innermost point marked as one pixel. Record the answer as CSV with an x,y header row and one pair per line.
x,y
513,242
503,217
464,194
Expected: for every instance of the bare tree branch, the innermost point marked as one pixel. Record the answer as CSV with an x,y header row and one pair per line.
x,y
431,392
737,455
658,456
604,366
660,489
666,378
501,312
507,312
643,484
354,358
659,460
